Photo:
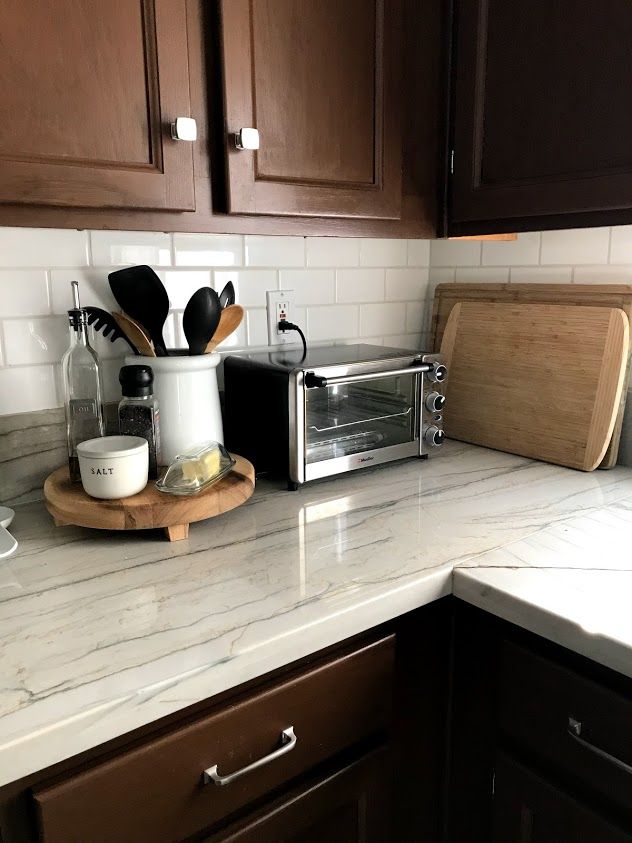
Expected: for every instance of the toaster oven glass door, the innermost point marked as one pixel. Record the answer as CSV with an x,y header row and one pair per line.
x,y
351,418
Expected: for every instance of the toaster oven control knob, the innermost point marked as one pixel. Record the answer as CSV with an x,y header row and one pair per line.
x,y
434,436
438,373
434,402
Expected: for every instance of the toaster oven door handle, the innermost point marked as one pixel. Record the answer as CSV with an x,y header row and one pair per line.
x,y
317,381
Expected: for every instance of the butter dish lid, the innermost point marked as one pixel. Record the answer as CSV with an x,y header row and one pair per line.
x,y
196,469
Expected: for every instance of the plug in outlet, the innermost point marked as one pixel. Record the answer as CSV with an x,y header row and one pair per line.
x,y
280,304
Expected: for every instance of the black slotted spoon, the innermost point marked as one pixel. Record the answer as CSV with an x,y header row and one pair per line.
x,y
104,322
141,295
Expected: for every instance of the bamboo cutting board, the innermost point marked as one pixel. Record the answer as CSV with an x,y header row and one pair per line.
x,y
588,295
543,381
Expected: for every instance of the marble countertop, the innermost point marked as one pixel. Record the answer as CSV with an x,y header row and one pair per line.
x,y
102,632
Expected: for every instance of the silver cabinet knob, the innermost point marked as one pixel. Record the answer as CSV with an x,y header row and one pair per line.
x,y
247,139
184,129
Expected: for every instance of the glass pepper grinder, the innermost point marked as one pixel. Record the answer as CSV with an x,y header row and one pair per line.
x,y
138,410
82,386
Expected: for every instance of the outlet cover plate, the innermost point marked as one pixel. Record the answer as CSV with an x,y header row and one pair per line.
x,y
280,303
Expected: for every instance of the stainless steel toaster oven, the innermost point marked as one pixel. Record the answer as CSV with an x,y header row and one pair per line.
x,y
341,408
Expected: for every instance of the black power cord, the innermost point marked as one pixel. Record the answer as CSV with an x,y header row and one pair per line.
x,y
290,326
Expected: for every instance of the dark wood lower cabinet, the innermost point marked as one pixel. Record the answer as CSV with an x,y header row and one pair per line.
x,y
541,747
369,717
529,809
351,805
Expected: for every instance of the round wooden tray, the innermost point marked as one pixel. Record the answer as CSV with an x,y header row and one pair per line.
x,y
69,504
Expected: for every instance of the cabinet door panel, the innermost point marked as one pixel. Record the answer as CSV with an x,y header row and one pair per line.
x,y
89,92
541,118
320,82
528,809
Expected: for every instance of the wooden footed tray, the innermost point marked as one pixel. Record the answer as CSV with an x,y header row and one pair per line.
x,y
150,509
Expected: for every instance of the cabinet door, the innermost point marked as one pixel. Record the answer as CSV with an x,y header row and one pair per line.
x,y
528,809
89,91
320,81
350,806
541,116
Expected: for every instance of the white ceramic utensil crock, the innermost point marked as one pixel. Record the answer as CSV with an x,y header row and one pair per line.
x,y
114,467
188,400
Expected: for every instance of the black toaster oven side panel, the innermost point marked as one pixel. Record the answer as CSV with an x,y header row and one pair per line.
x,y
256,423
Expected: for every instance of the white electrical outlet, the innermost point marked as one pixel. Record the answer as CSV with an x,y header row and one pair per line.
x,y
280,305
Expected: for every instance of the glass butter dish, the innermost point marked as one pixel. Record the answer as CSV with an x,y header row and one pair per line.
x,y
196,469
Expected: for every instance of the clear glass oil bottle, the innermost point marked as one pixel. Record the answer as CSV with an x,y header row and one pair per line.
x,y
82,386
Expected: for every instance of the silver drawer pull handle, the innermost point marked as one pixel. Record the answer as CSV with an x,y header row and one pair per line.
x,y
574,729
288,742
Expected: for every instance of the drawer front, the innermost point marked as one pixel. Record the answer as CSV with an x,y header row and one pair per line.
x,y
157,791
352,805
528,809
581,727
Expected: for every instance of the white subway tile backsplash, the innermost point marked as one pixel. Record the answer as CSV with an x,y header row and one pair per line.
x,y
482,274
25,389
262,250
23,292
93,289
125,248
311,286
573,246
411,342
523,251
250,284
540,274
387,318
45,247
603,274
359,285
208,249
406,284
257,326
182,283
441,275
621,244
332,251
382,252
332,322
416,313
455,253
35,340
418,252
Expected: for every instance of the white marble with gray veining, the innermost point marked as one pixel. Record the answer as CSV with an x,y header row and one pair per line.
x,y
103,632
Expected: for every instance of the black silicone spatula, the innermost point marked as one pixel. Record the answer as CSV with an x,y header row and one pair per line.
x,y
201,318
141,295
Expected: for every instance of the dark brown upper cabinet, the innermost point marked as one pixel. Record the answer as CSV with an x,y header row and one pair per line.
x,y
321,83
89,92
541,120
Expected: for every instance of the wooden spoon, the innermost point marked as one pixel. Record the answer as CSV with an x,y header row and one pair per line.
x,y
135,334
229,321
